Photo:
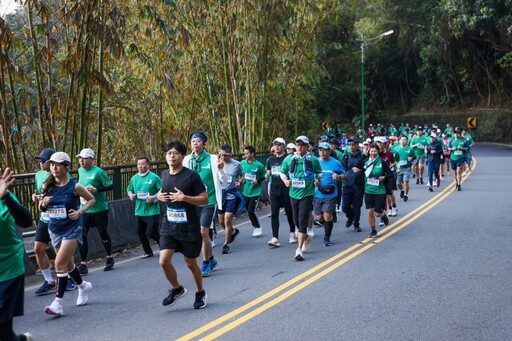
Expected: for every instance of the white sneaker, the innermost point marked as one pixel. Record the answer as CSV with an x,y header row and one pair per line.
x,y
442,178
381,223
298,255
293,238
311,232
388,212
394,211
83,294
55,308
307,243
213,243
257,232
274,242
28,336
338,209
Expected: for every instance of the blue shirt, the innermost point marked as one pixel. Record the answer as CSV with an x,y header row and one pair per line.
x,y
328,168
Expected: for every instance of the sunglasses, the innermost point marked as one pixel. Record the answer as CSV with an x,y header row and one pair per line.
x,y
224,155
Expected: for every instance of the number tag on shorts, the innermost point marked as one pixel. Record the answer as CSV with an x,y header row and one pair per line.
x,y
275,170
249,177
458,152
402,163
142,195
373,182
83,201
176,215
298,184
57,212
421,146
45,216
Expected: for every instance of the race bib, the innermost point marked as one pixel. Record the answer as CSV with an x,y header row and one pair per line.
x,y
249,177
142,195
298,184
421,146
176,215
57,212
230,179
83,201
457,152
45,216
402,163
373,182
275,170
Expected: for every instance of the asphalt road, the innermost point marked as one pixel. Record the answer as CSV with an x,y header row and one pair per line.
x,y
440,271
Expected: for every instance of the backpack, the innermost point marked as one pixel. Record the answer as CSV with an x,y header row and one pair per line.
x,y
307,162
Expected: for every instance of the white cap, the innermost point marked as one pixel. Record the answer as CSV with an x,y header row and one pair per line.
x,y
290,146
60,157
303,139
380,139
279,140
86,153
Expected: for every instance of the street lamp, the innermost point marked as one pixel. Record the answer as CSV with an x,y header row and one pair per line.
x,y
380,36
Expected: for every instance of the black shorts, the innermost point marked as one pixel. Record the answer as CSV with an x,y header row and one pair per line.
x,y
206,213
12,294
301,209
186,241
391,185
42,233
375,201
229,206
97,219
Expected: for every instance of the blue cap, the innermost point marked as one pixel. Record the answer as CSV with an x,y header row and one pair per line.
x,y
324,145
46,154
198,135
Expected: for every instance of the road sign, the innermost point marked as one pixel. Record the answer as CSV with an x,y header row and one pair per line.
x,y
471,122
325,125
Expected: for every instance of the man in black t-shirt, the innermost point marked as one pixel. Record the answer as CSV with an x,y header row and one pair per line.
x,y
279,194
182,190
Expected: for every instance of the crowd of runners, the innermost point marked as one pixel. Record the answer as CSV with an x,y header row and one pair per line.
x,y
314,181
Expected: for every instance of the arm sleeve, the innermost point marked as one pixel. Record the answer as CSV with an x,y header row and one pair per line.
x,y
21,215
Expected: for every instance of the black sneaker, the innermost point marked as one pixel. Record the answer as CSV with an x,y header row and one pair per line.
x,y
458,187
406,198
225,249
402,193
417,181
349,223
373,234
421,181
200,301
357,229
385,219
430,189
109,264
82,268
174,295
235,233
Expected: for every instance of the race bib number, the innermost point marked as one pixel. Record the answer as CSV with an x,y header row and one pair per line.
x,y
373,182
298,184
83,201
45,216
402,163
249,177
57,212
275,170
421,146
230,178
457,152
142,195
177,215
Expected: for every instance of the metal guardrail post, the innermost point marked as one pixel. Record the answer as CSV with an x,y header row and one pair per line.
x,y
118,184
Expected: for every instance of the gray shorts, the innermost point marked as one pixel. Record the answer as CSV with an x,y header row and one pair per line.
x,y
327,205
57,236
404,175
420,161
206,213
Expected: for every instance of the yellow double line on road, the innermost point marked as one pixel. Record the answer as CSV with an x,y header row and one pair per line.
x,y
287,289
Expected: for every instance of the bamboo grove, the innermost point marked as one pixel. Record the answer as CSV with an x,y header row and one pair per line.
x,y
124,77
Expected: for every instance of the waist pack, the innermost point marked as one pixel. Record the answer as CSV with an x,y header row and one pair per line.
x,y
327,189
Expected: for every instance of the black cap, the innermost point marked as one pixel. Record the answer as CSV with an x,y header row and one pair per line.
x,y
46,154
420,128
457,131
334,141
353,139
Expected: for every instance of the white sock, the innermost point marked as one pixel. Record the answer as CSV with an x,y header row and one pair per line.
x,y
47,273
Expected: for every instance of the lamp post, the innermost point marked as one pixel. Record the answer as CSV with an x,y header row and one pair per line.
x,y
380,36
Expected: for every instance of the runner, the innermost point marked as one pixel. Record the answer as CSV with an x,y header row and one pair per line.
x,y
418,144
377,172
279,194
326,190
457,157
12,265
469,144
388,156
446,154
434,155
232,201
210,170
97,182
290,149
60,198
404,157
353,187
298,173
182,190
143,189
254,174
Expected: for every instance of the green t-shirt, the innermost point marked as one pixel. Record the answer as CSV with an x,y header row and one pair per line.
x,y
457,154
202,165
372,184
39,179
302,180
469,140
402,157
422,142
252,171
96,177
144,187
11,245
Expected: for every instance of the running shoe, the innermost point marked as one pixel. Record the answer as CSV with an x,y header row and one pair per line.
x,y
373,234
318,224
421,181
146,255
83,294
174,295
417,181
311,232
357,229
402,193
293,239
307,243
274,242
82,268
338,209
327,241
385,219
28,337
71,285
235,233
55,308
406,198
298,255
349,223
458,188
200,301
225,249
46,288
109,264
257,232
213,243
438,183
394,211
381,223
213,264
206,269
430,189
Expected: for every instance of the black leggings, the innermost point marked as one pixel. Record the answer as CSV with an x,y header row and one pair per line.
x,y
100,220
6,332
276,202
250,206
148,228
